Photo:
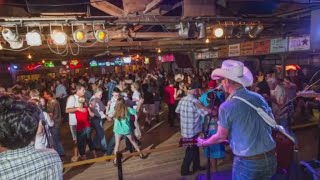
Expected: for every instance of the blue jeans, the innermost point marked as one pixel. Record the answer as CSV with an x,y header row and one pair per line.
x,y
262,169
55,132
100,138
84,138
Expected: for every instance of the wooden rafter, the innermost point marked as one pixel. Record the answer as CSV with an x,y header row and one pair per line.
x,y
151,5
108,8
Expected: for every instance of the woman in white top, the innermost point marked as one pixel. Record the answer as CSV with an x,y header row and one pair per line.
x,y
136,97
41,141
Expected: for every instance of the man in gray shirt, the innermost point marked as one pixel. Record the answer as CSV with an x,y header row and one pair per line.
x,y
97,122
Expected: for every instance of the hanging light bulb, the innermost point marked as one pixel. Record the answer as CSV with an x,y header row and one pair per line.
x,y
33,38
1,47
218,32
159,50
207,40
29,56
59,37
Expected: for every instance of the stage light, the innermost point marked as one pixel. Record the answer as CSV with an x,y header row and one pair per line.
x,y
29,56
59,37
207,40
101,35
12,38
237,31
80,36
15,67
33,38
218,32
43,61
255,31
202,30
159,51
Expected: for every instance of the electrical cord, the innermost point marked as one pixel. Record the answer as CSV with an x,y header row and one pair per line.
x,y
17,50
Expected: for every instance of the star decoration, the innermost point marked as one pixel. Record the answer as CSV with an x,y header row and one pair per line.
x,y
305,42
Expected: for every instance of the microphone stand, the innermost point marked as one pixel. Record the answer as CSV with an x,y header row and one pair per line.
x,y
206,136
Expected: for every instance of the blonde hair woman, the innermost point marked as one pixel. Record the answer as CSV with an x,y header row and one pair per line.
x,y
122,125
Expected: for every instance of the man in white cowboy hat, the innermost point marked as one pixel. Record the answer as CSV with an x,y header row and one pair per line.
x,y
249,136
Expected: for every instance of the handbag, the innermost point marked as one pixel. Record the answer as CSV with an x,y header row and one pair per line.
x,y
284,142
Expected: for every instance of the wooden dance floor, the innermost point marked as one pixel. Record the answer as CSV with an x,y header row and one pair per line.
x,y
164,165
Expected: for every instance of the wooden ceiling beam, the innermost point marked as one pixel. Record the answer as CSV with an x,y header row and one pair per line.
x,y
108,8
151,6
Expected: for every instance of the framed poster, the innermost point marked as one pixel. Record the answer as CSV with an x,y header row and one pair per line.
x,y
246,48
279,45
262,47
234,50
223,51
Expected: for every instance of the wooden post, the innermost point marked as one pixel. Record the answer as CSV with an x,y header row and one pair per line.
x,y
283,64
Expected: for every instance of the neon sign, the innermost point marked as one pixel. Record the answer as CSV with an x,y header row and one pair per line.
x,y
75,63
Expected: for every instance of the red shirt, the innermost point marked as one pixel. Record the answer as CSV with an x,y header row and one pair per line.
x,y
169,95
82,120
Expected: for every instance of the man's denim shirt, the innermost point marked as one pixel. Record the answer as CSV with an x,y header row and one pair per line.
x,y
249,135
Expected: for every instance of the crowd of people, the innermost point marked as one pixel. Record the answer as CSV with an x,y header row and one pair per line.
x,y
133,101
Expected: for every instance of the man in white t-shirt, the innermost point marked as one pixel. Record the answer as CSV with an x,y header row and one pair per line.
x,y
279,98
71,107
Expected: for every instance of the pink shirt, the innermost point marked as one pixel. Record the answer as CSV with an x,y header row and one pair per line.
x,y
169,95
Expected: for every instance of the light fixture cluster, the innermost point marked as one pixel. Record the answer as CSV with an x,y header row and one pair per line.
x,y
56,36
237,30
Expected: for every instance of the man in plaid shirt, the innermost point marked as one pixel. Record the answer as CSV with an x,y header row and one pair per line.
x,y
19,121
191,112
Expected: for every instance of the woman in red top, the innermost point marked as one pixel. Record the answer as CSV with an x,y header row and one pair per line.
x,y
84,130
170,101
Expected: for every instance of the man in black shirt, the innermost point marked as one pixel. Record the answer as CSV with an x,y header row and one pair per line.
x,y
263,89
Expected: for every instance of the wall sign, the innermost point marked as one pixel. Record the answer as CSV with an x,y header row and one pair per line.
x,y
299,43
278,45
223,51
234,50
207,55
262,47
246,48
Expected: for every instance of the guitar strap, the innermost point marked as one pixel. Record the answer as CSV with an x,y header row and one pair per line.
x,y
267,118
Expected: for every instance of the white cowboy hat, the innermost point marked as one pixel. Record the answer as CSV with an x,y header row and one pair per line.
x,y
179,77
235,71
